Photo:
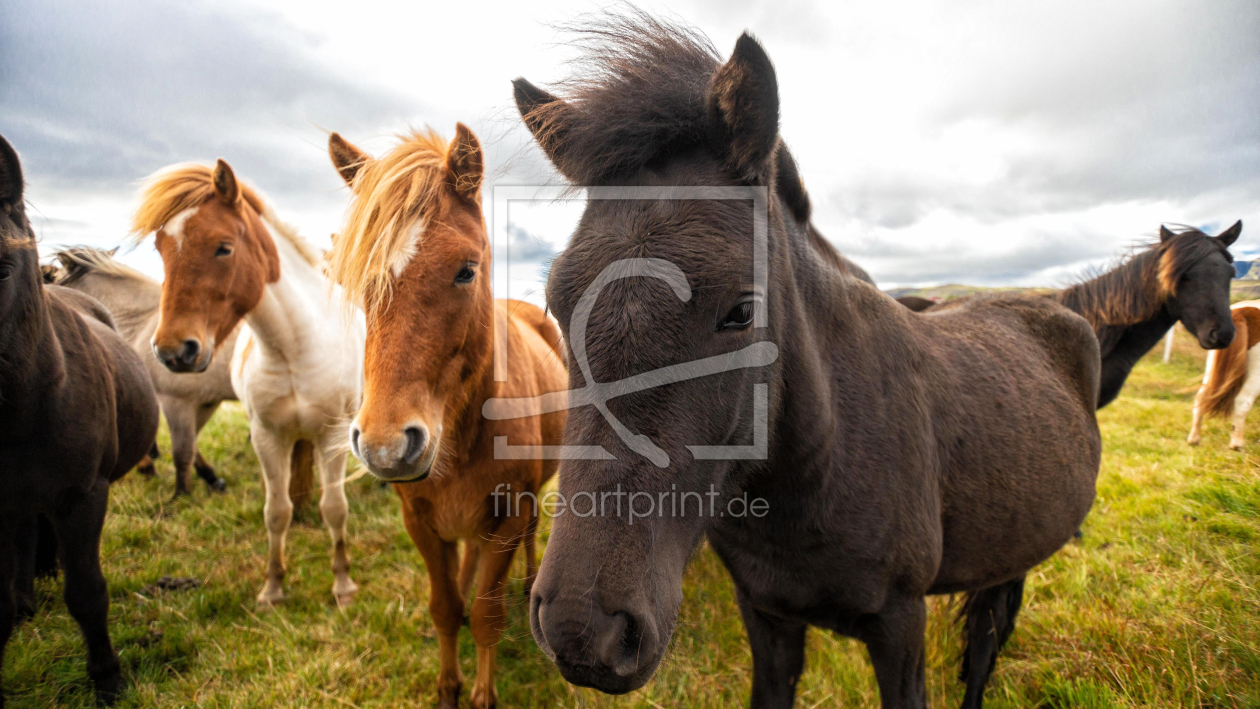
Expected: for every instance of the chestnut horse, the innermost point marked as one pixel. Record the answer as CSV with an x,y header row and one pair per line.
x,y
1231,378
847,457
77,411
414,252
298,362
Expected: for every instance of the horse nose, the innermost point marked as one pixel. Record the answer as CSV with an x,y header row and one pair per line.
x,y
593,647
393,455
183,359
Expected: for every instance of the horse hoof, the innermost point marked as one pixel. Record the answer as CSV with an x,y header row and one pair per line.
x,y
1192,441
107,688
1236,446
269,597
147,470
217,485
482,699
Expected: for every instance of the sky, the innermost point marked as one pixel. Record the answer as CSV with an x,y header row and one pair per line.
x,y
990,143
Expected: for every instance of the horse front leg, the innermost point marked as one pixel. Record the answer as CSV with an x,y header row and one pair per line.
x,y
205,471
488,619
8,570
1196,418
446,607
894,639
274,453
87,598
1242,405
778,650
181,419
335,510
25,544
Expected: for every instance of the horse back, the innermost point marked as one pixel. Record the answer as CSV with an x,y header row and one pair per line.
x,y
107,394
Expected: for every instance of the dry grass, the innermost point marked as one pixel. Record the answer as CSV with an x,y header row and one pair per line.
x,y
1157,606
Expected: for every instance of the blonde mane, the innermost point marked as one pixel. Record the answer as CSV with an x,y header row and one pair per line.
x,y
394,197
79,261
175,188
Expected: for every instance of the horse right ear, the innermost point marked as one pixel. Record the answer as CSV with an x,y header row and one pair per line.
x,y
11,185
225,182
346,158
1165,233
547,118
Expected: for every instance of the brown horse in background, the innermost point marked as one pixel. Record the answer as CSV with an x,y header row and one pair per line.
x,y
414,253
77,411
1231,377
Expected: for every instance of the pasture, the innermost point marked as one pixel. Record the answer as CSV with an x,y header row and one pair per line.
x,y
1158,605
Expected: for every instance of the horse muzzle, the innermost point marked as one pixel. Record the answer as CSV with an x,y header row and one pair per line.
x,y
405,456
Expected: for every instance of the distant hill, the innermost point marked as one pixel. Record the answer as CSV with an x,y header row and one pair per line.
x,y
955,290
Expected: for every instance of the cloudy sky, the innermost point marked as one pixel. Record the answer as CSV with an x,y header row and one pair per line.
x,y
977,142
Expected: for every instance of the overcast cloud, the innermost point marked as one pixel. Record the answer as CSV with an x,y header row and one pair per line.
x,y
982,142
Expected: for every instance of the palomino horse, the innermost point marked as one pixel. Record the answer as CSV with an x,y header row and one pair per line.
x,y
298,362
188,400
847,457
1184,277
414,252
77,411
1231,379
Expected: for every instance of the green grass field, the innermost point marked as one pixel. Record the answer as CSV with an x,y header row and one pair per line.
x,y
1157,606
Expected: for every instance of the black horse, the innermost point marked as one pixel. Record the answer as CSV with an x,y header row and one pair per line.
x,y
867,456
1185,276
77,410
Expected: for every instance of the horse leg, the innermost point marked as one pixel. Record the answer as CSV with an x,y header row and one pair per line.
x,y
894,639
205,471
181,421
25,543
87,598
146,466
990,619
531,551
334,508
273,454
488,619
45,548
778,651
8,569
446,606
1196,419
468,568
1246,397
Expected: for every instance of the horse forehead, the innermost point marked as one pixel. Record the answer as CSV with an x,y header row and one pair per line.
x,y
174,227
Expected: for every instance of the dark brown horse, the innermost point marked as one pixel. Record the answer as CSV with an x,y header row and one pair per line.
x,y
1185,276
77,411
893,455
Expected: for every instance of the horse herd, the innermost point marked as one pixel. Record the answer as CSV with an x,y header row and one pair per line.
x,y
895,454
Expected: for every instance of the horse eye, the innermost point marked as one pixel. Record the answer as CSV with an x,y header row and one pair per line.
x,y
740,317
465,275
5,271
223,250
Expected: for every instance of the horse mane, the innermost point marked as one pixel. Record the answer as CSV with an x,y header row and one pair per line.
x,y
394,196
78,261
175,188
1137,288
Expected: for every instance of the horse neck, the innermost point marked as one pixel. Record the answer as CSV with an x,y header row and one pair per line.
x,y
296,307
32,362
133,303
1124,297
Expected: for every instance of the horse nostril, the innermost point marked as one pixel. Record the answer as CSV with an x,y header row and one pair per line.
x,y
417,439
620,647
191,350
354,440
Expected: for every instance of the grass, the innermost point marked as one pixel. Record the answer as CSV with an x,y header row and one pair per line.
x,y
1157,606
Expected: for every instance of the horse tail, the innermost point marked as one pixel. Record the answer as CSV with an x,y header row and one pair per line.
x,y
301,475
1229,369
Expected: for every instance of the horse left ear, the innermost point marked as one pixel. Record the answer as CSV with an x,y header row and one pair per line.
x,y
743,104
345,157
1165,233
225,182
1230,235
464,163
11,185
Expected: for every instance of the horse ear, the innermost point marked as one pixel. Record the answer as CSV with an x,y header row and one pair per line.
x,y
464,162
11,186
547,117
1165,233
345,157
1230,235
225,182
743,104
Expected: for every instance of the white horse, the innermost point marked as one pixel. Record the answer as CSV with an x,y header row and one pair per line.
x,y
298,362
1231,380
